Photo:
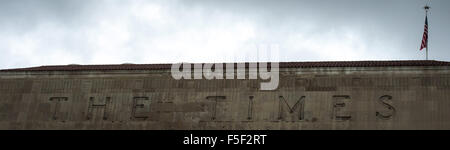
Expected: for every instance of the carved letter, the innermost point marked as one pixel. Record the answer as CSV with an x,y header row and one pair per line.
x,y
139,107
93,106
57,100
383,101
250,108
338,104
300,104
215,98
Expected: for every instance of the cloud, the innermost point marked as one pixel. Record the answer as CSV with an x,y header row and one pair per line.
x,y
44,32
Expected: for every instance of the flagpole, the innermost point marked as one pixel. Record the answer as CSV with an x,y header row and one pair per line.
x,y
428,38
428,27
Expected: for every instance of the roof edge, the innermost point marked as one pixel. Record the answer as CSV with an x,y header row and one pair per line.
x,y
306,64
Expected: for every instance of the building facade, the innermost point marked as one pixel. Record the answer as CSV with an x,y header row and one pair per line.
x,y
380,95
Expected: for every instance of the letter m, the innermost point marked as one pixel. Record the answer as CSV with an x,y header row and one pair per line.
x,y
296,109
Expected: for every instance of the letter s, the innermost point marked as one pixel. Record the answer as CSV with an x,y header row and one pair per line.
x,y
383,100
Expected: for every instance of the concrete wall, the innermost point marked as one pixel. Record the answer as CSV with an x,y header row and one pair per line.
x,y
314,98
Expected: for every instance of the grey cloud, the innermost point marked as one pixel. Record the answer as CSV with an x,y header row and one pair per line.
x,y
36,32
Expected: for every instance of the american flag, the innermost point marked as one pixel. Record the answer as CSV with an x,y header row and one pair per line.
x,y
425,35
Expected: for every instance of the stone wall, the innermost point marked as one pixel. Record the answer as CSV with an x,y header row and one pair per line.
x,y
312,98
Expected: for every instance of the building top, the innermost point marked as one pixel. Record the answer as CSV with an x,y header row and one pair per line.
x,y
317,64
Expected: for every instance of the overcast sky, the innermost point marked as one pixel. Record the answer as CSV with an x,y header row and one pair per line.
x,y
60,32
